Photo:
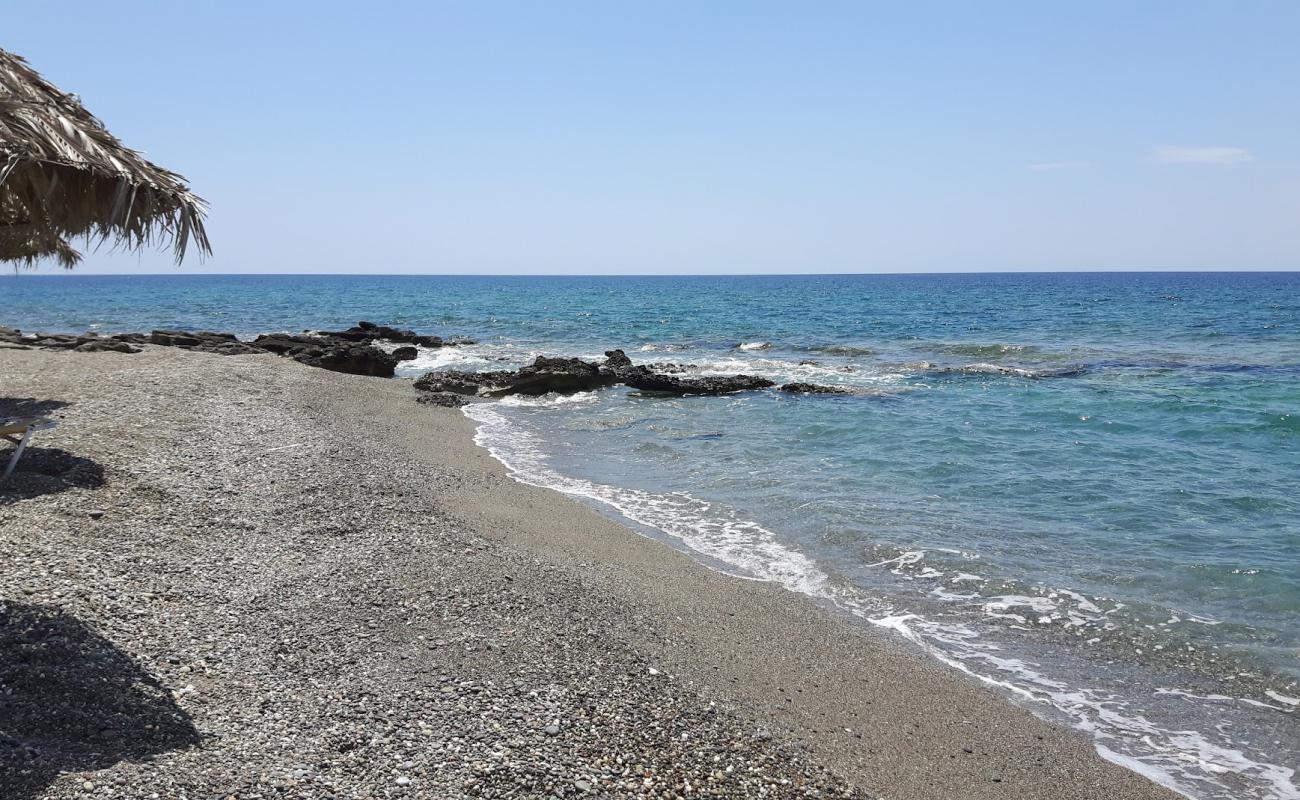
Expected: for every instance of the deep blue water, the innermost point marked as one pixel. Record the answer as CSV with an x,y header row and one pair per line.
x,y
1082,486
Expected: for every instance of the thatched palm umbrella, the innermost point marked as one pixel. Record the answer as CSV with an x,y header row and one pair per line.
x,y
62,175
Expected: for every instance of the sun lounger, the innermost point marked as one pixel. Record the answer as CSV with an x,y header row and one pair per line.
x,y
19,430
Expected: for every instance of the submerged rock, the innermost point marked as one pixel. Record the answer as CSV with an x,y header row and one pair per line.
x,y
814,388
644,380
1008,371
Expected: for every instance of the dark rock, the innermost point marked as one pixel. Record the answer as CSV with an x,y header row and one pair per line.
x,y
329,352
442,399
814,388
10,334
56,341
174,339
356,360
659,383
562,375
106,345
671,368
617,359
226,344
368,331
461,382
405,353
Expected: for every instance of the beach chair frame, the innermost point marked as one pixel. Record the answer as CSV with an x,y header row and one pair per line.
x,y
20,431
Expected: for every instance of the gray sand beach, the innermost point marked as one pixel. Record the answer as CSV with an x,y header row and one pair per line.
x,y
245,577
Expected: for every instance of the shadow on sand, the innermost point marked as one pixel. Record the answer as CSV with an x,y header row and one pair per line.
x,y
42,470
71,701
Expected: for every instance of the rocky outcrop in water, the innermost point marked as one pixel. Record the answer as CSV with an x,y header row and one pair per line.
x,y
645,380
814,388
545,375
569,375
368,332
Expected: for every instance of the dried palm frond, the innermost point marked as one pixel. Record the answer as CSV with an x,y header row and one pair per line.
x,y
62,175
26,251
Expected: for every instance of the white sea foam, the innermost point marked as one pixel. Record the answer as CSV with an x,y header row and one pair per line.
x,y
552,399
756,346
1193,763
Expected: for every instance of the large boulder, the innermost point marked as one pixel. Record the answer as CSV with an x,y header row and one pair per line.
x,y
442,399
405,353
562,375
332,353
616,360
545,375
461,382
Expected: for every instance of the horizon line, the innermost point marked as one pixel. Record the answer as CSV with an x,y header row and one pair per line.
x,y
1118,271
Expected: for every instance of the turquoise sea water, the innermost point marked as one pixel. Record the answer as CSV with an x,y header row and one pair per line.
x,y
1082,487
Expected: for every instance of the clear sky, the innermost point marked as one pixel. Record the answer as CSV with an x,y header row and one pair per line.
x,y
682,137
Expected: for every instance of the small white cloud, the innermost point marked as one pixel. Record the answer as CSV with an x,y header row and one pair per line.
x,y
1042,166
1217,156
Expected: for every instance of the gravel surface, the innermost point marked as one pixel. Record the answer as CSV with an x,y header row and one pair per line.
x,y
243,577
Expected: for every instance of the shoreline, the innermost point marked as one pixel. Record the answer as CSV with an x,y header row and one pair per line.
x,y
849,701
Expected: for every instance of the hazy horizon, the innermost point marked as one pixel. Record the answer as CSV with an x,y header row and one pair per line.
x,y
737,138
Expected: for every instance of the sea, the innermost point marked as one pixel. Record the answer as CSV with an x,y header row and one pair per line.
x,y
1083,489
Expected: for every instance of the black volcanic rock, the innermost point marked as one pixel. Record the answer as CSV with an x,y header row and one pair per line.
x,y
461,382
568,375
205,341
616,360
646,381
562,375
332,353
106,346
369,331
814,388
442,399
405,353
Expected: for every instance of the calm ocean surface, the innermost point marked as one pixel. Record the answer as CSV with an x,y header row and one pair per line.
x,y
1083,487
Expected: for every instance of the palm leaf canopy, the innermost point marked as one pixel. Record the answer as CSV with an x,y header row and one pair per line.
x,y
63,175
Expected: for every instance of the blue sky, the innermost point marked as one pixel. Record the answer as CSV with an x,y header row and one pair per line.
x,y
674,137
